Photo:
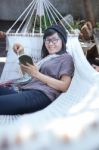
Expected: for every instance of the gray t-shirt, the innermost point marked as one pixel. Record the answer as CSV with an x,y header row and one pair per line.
x,y
56,67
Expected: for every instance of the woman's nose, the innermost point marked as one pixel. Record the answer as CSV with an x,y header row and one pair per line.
x,y
50,42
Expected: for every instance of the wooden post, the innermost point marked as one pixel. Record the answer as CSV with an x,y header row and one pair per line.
x,y
89,12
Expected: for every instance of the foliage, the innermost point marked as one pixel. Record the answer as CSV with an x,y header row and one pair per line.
x,y
97,24
42,21
78,24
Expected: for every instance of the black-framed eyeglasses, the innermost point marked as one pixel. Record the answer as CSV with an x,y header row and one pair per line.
x,y
54,41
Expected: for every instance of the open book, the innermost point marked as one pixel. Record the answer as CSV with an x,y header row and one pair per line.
x,y
24,59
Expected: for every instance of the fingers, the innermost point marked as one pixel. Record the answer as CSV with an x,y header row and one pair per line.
x,y
24,67
30,69
18,48
29,65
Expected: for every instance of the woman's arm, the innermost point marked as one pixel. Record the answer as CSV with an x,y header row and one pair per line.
x,y
60,85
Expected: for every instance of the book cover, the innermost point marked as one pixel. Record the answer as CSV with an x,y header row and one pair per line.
x,y
24,59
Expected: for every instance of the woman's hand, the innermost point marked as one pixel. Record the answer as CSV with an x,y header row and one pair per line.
x,y
95,67
32,70
18,48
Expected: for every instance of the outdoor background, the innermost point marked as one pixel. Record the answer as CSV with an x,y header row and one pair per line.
x,y
11,9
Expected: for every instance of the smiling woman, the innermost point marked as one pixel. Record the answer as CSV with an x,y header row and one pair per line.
x,y
55,37
53,44
50,77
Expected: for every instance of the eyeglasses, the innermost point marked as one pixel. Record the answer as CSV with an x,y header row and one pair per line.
x,y
54,41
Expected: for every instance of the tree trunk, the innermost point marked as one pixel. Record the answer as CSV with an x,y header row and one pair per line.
x,y
89,12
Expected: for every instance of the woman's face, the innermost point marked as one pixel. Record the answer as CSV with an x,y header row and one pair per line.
x,y
53,43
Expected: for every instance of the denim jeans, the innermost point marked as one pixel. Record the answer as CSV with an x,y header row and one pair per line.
x,y
25,101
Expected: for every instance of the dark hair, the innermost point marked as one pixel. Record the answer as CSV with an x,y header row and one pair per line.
x,y
50,31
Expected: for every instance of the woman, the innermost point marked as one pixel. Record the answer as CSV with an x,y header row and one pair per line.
x,y
53,77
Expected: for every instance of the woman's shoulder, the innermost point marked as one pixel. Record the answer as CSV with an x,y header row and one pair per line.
x,y
66,56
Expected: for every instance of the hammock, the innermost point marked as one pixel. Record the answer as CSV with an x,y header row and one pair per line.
x,y
32,48
81,97
39,15
81,100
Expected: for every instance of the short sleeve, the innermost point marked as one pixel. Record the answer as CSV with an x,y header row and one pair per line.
x,y
67,67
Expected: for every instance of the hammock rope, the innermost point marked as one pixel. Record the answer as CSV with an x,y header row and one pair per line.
x,y
20,17
57,14
42,9
33,6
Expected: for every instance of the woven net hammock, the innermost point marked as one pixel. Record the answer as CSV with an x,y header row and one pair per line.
x,y
39,15
80,101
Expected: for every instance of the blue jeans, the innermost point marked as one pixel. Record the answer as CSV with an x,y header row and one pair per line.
x,y
25,101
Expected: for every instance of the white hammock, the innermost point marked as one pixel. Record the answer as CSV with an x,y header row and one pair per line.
x,y
32,46
81,97
32,41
